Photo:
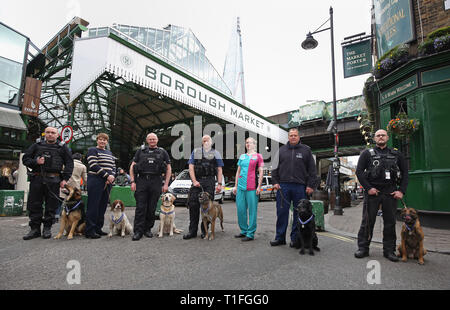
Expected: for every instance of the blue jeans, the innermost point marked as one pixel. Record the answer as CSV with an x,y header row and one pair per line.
x,y
292,193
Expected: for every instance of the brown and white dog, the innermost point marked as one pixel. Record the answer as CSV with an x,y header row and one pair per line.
x,y
118,221
412,237
167,216
73,216
210,210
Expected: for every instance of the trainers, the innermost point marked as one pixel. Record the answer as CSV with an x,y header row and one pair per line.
x,y
246,239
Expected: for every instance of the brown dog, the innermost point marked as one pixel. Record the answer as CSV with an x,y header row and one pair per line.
x,y
73,214
412,237
211,210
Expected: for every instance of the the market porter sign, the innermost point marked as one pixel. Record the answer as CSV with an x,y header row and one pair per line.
x,y
357,58
394,24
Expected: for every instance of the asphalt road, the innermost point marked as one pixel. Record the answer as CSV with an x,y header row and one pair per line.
x,y
223,264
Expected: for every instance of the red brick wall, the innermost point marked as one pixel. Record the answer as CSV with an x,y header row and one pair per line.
x,y
432,15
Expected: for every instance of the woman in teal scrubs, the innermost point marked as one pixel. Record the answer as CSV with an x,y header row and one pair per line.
x,y
247,189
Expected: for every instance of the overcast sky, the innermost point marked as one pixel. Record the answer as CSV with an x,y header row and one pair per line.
x,y
279,75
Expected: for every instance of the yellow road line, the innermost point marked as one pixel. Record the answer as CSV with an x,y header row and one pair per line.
x,y
327,234
331,235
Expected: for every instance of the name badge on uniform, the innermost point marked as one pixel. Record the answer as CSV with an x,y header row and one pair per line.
x,y
388,175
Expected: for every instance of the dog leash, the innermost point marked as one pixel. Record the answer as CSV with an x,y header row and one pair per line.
x,y
404,204
66,208
108,191
366,215
283,198
48,188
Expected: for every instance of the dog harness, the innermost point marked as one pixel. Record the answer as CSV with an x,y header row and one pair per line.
x,y
410,230
206,213
66,208
118,220
166,213
306,222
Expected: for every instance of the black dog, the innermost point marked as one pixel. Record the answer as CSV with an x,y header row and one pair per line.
x,y
306,236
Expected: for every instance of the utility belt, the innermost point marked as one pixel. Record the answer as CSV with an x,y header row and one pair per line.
x,y
148,176
46,174
385,188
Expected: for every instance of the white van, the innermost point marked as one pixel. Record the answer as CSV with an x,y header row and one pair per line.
x,y
181,185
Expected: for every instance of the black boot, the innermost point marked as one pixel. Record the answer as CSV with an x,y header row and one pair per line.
x,y
47,232
137,236
391,256
361,253
34,233
189,236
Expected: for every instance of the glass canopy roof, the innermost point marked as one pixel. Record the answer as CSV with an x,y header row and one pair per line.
x,y
95,110
175,45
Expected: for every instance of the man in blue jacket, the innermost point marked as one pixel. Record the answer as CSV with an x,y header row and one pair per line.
x,y
294,178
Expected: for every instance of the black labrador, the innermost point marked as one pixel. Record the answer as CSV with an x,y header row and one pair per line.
x,y
306,236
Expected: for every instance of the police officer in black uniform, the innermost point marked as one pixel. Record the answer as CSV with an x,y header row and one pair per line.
x,y
204,164
146,170
51,167
383,172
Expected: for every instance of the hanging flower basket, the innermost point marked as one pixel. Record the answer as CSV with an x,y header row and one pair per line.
x,y
401,126
391,60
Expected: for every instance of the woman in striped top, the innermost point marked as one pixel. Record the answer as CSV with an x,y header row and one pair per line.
x,y
101,175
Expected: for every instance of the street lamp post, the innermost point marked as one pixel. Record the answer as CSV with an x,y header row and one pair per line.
x,y
311,43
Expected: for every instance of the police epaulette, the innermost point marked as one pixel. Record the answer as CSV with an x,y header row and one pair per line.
x,y
395,151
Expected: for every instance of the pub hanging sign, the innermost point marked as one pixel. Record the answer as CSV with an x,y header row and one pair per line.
x,y
357,58
394,24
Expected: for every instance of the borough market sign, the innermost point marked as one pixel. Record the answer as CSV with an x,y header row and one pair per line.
x,y
114,57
